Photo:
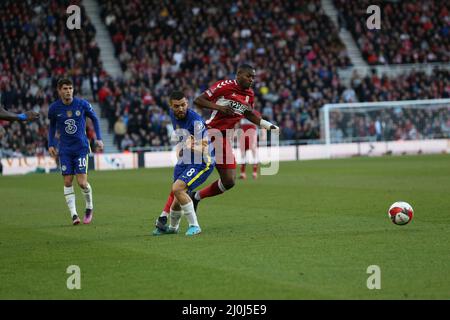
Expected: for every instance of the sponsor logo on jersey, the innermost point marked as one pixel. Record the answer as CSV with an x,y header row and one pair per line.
x,y
71,127
238,107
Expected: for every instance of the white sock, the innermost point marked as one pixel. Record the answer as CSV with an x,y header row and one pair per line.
x,y
87,193
197,196
175,218
221,186
164,214
189,212
69,194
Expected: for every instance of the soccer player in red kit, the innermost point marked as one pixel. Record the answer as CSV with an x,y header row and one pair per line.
x,y
248,140
231,101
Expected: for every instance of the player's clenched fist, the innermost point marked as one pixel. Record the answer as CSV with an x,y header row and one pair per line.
x,y
31,115
224,106
99,144
198,145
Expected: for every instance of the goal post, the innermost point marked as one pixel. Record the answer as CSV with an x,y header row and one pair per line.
x,y
385,121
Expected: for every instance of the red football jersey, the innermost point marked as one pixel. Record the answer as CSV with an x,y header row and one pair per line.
x,y
241,100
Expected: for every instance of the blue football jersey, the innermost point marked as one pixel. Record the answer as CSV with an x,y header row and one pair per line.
x,y
70,122
192,124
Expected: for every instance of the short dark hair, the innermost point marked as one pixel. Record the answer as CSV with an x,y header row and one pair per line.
x,y
64,81
245,67
176,95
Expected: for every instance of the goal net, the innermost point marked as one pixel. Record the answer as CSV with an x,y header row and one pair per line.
x,y
385,121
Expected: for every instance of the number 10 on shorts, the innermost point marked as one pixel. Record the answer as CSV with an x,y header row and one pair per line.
x,y
82,162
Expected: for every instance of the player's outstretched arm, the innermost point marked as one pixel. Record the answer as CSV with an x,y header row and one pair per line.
x,y
251,116
11,116
202,102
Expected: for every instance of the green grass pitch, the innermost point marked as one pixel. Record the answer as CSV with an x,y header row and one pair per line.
x,y
309,232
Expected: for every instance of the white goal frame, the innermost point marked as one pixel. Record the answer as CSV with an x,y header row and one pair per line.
x,y
327,108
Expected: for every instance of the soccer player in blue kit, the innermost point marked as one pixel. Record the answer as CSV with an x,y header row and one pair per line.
x,y
195,163
68,117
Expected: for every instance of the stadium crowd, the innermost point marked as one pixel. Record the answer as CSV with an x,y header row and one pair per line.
x,y
395,123
189,45
294,48
410,31
36,48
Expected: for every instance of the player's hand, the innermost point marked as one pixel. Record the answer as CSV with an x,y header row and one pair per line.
x,y
190,142
224,106
226,109
31,115
99,144
200,146
53,152
275,128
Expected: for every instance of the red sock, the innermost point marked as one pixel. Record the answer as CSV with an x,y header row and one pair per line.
x,y
255,168
168,203
211,190
243,168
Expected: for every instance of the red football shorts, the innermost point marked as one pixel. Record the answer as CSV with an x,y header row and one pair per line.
x,y
223,153
249,137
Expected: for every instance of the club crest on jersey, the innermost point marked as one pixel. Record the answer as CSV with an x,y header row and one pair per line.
x,y
198,126
77,113
69,113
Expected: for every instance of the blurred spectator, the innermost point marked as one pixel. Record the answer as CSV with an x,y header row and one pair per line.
x,y
120,129
126,143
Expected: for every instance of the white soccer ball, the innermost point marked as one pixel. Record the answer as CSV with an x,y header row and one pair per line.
x,y
400,213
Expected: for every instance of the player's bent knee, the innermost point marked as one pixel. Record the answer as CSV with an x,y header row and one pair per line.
x,y
68,181
178,187
83,185
176,191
